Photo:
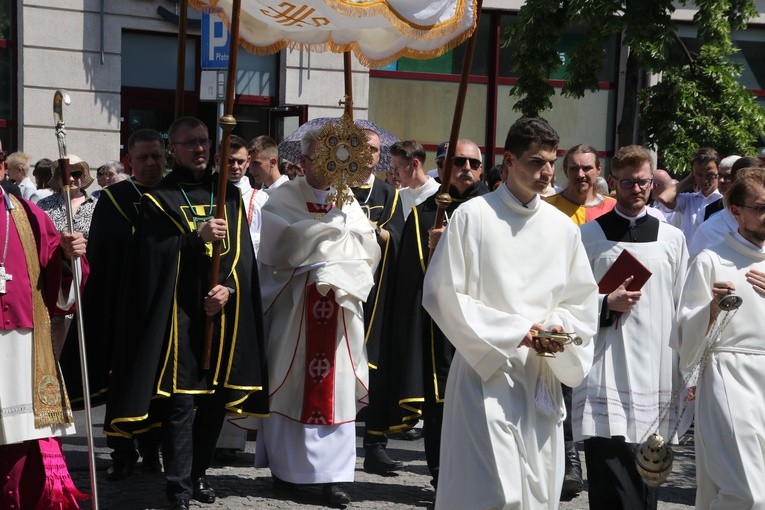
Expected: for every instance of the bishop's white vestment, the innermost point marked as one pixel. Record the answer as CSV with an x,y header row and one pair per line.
x,y
730,393
635,372
316,266
499,268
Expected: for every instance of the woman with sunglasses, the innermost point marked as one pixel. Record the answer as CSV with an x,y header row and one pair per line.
x,y
82,211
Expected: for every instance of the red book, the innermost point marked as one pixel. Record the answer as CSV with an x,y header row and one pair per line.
x,y
624,266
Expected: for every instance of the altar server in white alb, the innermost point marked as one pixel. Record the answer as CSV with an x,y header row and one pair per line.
x,y
317,264
730,392
488,289
629,392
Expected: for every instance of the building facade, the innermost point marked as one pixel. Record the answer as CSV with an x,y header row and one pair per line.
x,y
117,61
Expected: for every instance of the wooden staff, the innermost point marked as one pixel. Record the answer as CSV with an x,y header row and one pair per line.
x,y
180,69
444,199
60,98
348,79
227,124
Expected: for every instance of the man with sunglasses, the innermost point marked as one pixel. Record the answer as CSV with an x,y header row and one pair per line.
x,y
161,376
509,267
635,378
420,352
705,176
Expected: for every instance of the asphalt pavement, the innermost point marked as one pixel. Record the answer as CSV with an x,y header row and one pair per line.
x,y
240,486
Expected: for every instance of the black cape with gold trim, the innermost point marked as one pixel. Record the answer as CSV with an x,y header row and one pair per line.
x,y
418,355
381,202
108,252
159,349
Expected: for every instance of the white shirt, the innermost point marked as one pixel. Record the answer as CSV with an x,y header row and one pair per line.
x,y
712,231
278,182
691,206
412,197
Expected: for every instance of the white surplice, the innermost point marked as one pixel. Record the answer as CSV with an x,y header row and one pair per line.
x,y
499,268
412,197
635,372
336,251
713,231
730,394
253,200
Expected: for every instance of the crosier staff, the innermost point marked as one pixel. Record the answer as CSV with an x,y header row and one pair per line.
x,y
61,98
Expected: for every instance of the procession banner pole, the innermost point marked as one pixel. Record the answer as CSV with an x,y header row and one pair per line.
x,y
227,124
348,79
60,98
180,70
443,199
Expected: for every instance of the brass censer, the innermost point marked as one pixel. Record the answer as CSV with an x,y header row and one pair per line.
x,y
561,338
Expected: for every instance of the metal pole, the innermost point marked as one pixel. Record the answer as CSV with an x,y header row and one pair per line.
x,y
59,99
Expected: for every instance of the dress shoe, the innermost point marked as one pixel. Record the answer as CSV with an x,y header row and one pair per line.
x,y
377,461
334,496
180,504
572,480
150,462
203,492
118,470
283,485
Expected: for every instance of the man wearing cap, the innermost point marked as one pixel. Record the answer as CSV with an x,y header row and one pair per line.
x,y
408,160
440,155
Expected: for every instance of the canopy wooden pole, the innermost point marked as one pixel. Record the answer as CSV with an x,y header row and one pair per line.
x,y
348,76
443,199
227,124
180,70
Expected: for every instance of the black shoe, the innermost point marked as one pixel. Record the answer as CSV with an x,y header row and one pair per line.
x,y
377,461
334,496
203,492
180,504
150,462
283,485
572,480
118,470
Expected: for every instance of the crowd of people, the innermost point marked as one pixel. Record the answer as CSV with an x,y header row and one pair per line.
x,y
534,320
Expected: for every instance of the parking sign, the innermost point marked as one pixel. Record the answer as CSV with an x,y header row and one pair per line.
x,y
215,40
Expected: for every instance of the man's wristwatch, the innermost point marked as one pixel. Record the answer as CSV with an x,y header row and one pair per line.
x,y
231,291
378,230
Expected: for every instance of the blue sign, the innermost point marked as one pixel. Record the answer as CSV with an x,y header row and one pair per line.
x,y
215,41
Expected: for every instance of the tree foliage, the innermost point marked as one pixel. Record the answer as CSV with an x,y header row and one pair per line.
x,y
695,104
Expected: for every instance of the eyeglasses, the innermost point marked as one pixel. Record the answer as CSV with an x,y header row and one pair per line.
x,y
758,209
76,173
708,177
725,177
630,183
190,145
459,161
